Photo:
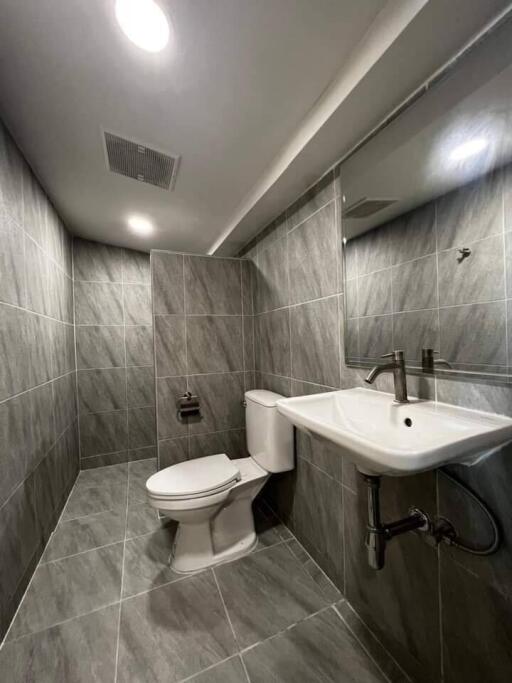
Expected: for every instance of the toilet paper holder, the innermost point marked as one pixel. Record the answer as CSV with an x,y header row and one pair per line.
x,y
188,405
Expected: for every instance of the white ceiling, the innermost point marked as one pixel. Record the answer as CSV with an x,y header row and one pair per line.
x,y
246,88
241,76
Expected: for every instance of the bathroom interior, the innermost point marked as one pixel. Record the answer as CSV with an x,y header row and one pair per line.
x,y
255,377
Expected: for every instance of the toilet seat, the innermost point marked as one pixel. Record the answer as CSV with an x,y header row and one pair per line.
x,y
188,480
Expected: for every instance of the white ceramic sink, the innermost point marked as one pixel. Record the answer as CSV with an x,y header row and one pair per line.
x,y
383,437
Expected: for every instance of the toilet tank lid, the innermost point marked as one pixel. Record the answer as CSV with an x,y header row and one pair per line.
x,y
263,397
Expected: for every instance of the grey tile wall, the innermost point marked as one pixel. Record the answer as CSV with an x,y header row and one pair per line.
x,y
38,418
412,264
203,322
115,360
442,615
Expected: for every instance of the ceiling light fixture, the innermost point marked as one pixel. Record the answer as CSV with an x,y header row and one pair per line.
x,y
140,226
144,22
468,149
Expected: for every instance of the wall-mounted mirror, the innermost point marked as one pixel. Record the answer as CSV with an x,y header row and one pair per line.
x,y
427,225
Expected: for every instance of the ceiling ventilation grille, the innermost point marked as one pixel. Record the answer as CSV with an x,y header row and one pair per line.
x,y
366,207
140,162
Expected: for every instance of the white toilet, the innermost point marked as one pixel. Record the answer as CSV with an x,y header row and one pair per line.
x,y
211,497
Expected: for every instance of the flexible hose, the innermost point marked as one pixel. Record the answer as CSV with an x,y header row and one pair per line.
x,y
493,547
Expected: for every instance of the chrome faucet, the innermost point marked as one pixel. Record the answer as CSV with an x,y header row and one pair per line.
x,y
397,367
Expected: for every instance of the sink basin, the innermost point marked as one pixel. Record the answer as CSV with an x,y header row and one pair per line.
x,y
383,437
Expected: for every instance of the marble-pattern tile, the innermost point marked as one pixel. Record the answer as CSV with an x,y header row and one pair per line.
x,y
170,345
248,284
143,519
69,588
315,343
140,386
104,460
137,304
273,232
414,331
248,334
16,444
11,176
508,261
477,628
86,533
173,632
139,345
40,332
34,208
375,336
218,415
480,277
272,342
141,427
382,599
169,390
172,451
96,262
311,201
77,651
14,369
230,671
146,561
324,583
99,346
474,333
351,298
374,250
231,442
212,285
12,273
318,649
415,285
64,402
42,409
374,293
413,234
37,274
88,500
324,454
214,343
98,303
470,213
116,474
101,390
266,592
136,267
103,433
168,284
275,383
312,250
139,472
271,285
63,349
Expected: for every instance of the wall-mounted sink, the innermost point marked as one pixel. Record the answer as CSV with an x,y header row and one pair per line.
x,y
383,437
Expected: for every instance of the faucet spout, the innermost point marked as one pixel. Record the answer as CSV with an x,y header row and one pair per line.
x,y
397,367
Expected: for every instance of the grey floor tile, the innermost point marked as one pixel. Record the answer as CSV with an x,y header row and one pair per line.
x,y
319,649
68,588
329,590
230,671
112,474
268,528
79,651
146,562
143,519
138,474
173,632
85,533
266,592
90,499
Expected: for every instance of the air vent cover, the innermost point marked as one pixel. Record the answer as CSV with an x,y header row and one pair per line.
x,y
140,162
366,207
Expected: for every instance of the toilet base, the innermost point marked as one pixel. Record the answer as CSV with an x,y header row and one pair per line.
x,y
226,536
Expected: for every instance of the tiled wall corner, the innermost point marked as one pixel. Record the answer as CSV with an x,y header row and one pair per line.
x,y
114,346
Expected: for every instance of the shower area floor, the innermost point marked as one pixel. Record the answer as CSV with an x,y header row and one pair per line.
x,y
103,604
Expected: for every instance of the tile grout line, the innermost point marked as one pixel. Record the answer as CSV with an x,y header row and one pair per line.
x,y
122,571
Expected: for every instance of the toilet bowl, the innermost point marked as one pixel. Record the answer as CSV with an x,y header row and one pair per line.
x,y
211,497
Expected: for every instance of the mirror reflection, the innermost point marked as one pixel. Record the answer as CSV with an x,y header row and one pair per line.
x,y
427,226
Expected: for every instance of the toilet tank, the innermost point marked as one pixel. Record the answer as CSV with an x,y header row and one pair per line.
x,y
269,434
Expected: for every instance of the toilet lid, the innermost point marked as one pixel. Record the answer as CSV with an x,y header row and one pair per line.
x,y
194,477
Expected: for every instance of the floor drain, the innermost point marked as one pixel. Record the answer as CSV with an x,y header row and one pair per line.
x,y
408,422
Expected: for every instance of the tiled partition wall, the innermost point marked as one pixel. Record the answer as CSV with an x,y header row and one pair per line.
x,y
443,614
408,287
203,344
38,431
114,347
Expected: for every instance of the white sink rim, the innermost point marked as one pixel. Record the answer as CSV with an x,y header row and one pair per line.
x,y
485,432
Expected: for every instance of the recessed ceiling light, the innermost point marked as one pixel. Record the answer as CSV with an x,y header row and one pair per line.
x,y
144,22
140,226
468,149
